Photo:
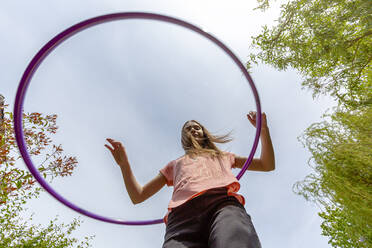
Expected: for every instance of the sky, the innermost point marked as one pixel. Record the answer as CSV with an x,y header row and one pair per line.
x,y
138,81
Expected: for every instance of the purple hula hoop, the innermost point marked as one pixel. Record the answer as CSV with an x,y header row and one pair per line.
x,y
58,39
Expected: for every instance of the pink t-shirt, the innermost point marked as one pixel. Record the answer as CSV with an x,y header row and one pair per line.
x,y
192,177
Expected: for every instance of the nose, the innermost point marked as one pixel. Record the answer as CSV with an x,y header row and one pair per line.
x,y
194,130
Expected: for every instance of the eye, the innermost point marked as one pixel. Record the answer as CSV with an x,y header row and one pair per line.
x,y
196,127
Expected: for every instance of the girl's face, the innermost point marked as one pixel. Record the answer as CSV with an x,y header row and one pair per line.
x,y
195,130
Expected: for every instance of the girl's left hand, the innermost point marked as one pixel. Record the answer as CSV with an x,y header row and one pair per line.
x,y
252,118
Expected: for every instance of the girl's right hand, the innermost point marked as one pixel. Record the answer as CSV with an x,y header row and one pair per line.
x,y
252,118
118,151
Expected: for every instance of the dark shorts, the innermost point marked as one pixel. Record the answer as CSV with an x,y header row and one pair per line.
x,y
211,220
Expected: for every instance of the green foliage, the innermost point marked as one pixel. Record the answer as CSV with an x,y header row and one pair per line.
x,y
264,4
16,233
17,185
327,41
339,225
330,43
342,161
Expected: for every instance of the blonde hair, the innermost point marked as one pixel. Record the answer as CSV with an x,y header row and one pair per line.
x,y
192,146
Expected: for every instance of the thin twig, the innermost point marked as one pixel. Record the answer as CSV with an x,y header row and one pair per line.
x,y
2,101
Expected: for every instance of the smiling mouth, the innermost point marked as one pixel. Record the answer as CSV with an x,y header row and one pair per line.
x,y
198,137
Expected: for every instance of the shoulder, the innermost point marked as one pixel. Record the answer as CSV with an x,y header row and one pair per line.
x,y
229,155
176,161
179,159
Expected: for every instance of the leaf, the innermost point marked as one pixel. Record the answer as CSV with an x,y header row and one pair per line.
x,y
19,184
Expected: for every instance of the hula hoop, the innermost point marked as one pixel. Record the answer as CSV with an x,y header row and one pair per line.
x,y
57,40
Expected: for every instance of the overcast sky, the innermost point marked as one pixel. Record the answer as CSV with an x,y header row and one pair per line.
x,y
138,81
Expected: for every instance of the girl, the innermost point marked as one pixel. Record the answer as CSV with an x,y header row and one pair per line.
x,y
205,209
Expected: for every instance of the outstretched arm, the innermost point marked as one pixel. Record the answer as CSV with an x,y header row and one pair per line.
x,y
266,162
136,192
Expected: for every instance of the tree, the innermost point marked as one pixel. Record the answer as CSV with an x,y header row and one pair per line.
x,y
16,233
341,151
17,184
329,43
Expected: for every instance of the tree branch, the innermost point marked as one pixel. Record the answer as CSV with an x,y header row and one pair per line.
x,y
358,38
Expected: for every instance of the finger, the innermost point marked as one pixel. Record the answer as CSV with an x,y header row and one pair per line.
x,y
108,147
251,120
263,116
111,141
114,143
